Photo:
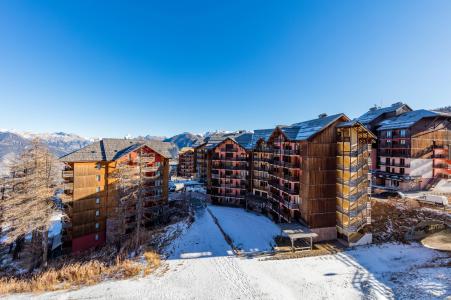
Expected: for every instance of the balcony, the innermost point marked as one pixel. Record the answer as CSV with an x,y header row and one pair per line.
x,y
290,205
257,177
291,165
226,167
147,159
223,158
392,164
150,168
291,152
228,150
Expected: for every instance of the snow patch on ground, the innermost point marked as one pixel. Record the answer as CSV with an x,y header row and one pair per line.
x,y
250,232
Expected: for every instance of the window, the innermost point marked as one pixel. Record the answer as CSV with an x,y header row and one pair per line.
x,y
388,135
403,133
389,142
98,166
97,200
387,169
401,171
387,160
98,189
97,237
402,142
402,162
97,226
98,177
97,213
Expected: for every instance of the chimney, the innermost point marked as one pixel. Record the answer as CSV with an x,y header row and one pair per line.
x,y
321,116
373,108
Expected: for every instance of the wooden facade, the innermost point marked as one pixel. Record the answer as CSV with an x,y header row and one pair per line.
x,y
186,165
414,157
92,203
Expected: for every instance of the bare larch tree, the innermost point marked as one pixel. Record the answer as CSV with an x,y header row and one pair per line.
x,y
29,206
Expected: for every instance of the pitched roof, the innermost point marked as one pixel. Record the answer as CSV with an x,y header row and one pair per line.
x,y
260,134
217,138
244,140
375,112
353,123
112,149
408,119
307,129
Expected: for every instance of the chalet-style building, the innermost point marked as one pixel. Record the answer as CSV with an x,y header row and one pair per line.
x,y
94,177
413,150
230,166
186,167
261,158
200,162
374,116
297,168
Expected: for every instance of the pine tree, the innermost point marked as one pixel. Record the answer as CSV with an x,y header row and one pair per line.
x,y
29,206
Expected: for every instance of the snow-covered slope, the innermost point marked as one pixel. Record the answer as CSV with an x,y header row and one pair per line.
x,y
201,265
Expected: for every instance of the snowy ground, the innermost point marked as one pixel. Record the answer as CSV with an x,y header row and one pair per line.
x,y
201,265
249,232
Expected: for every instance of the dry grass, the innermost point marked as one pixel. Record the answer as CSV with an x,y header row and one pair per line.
x,y
71,276
153,262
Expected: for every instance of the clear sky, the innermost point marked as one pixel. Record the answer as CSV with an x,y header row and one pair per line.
x,y
107,68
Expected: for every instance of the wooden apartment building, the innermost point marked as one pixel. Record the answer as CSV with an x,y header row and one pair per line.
x,y
412,149
304,173
96,210
229,170
296,169
186,164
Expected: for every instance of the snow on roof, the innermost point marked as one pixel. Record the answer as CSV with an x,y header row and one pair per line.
x,y
408,119
260,134
375,112
307,129
245,140
217,138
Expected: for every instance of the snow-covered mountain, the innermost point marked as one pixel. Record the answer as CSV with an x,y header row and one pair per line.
x,y
13,142
446,109
185,139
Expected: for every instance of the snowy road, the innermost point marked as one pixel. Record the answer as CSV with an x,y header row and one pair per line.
x,y
201,265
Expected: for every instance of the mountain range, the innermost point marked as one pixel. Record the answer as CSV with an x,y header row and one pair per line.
x,y
60,143
13,142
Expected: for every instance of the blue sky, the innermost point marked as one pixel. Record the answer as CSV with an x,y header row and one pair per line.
x,y
110,68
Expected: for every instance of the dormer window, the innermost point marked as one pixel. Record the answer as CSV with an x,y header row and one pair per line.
x,y
389,134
